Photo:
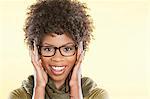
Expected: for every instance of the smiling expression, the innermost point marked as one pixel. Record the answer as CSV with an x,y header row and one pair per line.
x,y
58,67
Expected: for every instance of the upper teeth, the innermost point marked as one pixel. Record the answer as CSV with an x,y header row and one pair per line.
x,y
58,67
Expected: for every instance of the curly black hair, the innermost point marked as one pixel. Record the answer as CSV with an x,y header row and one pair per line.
x,y
58,16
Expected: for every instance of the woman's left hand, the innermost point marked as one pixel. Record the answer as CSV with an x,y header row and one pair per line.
x,y
75,81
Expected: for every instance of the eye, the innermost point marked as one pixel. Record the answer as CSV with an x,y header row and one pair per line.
x,y
48,49
68,48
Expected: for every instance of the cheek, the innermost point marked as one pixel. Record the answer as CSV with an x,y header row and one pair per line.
x,y
45,61
72,60
69,60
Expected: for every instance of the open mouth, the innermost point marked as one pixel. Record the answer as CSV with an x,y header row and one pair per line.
x,y
58,70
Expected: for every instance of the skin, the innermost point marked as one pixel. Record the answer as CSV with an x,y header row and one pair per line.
x,y
58,59
43,65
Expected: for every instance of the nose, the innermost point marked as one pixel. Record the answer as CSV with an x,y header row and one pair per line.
x,y
57,57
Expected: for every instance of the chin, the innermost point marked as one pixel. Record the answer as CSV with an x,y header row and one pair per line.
x,y
58,77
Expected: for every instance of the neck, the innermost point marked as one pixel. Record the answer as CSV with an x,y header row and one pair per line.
x,y
58,84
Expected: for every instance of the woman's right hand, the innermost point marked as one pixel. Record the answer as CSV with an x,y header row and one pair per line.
x,y
40,75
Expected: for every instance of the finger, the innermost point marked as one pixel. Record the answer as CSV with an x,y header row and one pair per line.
x,y
34,59
80,54
80,50
36,52
78,62
34,62
76,74
39,70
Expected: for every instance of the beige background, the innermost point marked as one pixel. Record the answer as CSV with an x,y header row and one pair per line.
x,y
118,59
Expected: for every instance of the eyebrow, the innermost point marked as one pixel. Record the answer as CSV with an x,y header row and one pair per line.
x,y
47,44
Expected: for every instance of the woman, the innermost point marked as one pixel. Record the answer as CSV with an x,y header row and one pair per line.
x,y
58,33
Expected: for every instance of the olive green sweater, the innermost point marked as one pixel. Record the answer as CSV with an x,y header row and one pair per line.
x,y
89,89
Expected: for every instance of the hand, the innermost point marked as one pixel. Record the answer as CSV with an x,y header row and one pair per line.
x,y
75,81
40,76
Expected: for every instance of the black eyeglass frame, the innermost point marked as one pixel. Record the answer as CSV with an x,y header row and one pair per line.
x,y
56,48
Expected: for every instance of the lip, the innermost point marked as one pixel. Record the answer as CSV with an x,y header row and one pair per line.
x,y
57,69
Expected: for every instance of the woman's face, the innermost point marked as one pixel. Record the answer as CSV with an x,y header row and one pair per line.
x,y
58,66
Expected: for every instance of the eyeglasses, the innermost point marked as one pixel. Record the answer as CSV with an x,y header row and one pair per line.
x,y
65,50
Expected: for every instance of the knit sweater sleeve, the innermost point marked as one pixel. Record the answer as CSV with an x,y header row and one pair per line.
x,y
19,93
97,93
91,90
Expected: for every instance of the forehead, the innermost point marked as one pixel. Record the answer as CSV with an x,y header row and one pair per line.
x,y
57,40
